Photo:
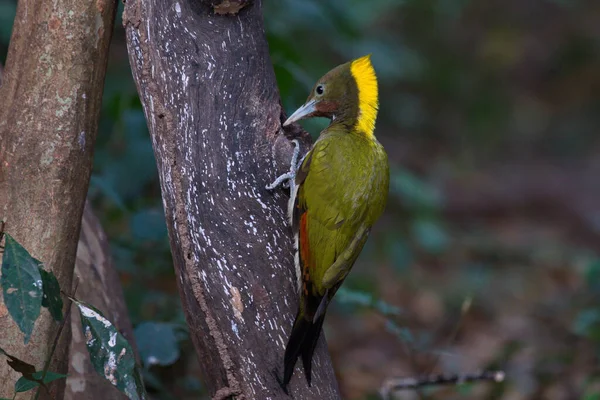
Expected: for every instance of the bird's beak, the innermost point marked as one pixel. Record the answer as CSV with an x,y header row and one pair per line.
x,y
302,112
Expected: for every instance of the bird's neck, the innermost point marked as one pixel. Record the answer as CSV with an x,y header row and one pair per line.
x,y
357,118
367,96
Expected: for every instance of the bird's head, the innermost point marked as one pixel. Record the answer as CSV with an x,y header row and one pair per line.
x,y
347,94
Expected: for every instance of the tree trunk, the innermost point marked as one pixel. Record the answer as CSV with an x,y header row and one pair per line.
x,y
97,284
208,89
49,105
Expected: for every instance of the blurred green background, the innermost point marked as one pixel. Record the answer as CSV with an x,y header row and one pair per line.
x,y
488,254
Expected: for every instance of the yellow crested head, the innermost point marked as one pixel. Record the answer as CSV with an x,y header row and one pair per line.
x,y
347,95
368,96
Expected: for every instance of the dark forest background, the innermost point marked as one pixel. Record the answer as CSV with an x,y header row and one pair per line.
x,y
488,255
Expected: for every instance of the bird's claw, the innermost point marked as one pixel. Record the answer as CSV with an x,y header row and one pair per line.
x,y
286,180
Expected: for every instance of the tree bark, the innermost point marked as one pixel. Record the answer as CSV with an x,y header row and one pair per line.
x,y
49,105
98,284
209,93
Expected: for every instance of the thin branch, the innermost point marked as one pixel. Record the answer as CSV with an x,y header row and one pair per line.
x,y
397,384
466,306
66,317
2,225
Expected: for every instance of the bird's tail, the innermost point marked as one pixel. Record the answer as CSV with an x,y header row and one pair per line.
x,y
303,341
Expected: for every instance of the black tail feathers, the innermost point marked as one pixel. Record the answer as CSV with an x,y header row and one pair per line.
x,y
309,348
303,341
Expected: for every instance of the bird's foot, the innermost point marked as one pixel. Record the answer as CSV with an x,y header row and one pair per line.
x,y
287,179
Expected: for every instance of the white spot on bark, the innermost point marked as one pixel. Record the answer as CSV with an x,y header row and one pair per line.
x,y
77,385
81,140
77,362
236,303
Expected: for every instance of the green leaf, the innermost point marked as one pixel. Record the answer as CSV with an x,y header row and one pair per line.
x,y
587,323
149,225
465,389
399,253
51,298
360,298
110,353
157,343
151,380
592,276
29,373
8,11
356,297
24,384
430,235
26,369
418,340
414,193
21,286
189,383
106,188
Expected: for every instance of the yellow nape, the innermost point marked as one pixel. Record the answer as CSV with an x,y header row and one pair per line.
x,y
368,100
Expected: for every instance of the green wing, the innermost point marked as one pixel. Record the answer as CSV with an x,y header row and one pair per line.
x,y
343,185
341,190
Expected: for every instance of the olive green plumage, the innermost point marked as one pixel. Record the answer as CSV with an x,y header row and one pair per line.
x,y
340,191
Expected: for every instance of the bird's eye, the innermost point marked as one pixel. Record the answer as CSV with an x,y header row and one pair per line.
x,y
320,89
